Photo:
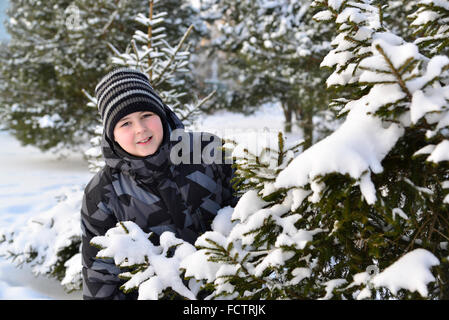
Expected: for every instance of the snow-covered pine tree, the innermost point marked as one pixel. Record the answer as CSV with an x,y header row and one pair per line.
x,y
273,50
396,17
152,270
258,162
363,213
182,15
49,243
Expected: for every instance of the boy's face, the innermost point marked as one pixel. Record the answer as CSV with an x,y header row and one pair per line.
x,y
139,133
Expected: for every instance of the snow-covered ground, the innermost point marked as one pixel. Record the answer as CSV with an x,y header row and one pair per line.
x,y
32,181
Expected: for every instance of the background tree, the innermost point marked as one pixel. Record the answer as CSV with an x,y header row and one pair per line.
x,y
52,47
396,16
272,54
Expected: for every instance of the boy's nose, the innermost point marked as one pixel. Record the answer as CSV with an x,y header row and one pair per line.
x,y
140,127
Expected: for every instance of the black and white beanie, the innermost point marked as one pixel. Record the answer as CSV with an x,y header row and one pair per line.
x,y
124,91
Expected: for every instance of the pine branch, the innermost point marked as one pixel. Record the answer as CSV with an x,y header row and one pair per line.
x,y
395,72
197,107
159,79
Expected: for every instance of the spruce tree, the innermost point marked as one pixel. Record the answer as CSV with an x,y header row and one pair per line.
x,y
49,243
396,16
152,270
365,203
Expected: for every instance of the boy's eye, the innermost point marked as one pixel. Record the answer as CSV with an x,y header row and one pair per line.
x,y
146,115
124,124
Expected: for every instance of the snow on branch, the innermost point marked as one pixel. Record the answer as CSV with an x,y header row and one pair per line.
x,y
152,269
397,73
411,272
45,241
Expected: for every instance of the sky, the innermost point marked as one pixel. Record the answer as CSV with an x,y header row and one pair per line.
x,y
3,6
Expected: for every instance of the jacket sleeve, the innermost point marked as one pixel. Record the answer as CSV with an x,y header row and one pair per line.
x,y
224,172
100,277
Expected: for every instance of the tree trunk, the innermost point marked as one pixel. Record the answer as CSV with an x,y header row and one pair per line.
x,y
150,35
305,117
307,127
288,112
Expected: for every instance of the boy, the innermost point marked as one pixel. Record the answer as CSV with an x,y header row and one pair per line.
x,y
140,182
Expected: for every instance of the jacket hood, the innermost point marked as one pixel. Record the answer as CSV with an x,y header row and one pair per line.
x,y
148,168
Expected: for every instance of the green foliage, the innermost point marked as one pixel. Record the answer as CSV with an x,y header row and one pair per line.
x,y
59,270
43,62
339,240
59,50
254,171
430,27
272,54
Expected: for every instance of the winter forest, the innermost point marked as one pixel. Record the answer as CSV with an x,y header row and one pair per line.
x,y
335,114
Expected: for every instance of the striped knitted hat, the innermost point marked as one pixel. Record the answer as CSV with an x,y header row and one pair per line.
x,y
124,91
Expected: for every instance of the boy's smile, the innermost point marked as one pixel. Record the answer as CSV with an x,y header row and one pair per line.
x,y
143,142
139,133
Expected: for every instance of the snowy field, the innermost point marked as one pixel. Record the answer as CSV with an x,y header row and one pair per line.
x,y
32,181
